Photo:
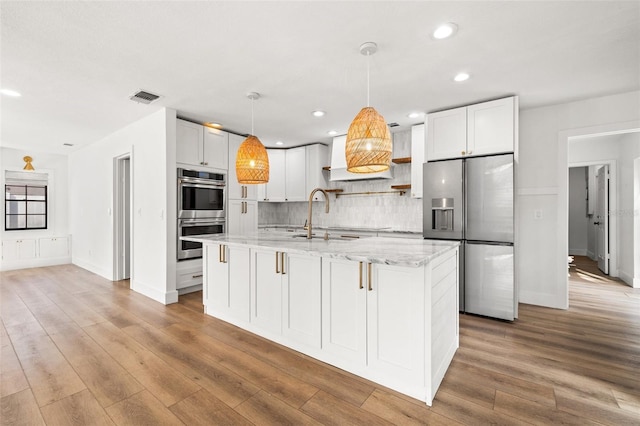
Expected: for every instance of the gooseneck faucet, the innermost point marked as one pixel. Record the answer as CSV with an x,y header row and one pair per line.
x,y
326,198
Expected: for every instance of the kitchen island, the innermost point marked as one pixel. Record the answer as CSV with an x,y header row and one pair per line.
x,y
385,309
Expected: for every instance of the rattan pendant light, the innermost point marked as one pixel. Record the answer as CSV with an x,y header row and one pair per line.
x,y
252,161
368,148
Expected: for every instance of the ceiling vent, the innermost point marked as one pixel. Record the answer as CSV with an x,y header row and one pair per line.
x,y
144,97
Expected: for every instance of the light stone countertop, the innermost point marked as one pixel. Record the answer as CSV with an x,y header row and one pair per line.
x,y
385,250
385,231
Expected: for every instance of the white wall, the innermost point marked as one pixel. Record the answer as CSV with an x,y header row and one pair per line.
x,y
56,167
578,220
626,213
542,186
636,222
151,144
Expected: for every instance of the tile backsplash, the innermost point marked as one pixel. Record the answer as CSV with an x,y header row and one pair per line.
x,y
401,213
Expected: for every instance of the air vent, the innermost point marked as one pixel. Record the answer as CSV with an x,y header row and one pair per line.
x,y
393,124
144,97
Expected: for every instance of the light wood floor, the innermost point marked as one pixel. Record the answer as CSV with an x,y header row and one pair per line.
x,y
77,349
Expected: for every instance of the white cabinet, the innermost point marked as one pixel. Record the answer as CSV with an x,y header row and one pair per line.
x,y
201,146
236,190
317,157
18,249
287,176
227,282
242,217
285,298
189,274
418,141
480,129
54,247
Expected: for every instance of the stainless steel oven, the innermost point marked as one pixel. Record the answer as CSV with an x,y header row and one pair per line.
x,y
201,194
190,227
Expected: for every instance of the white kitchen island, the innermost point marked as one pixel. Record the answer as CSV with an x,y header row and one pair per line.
x,y
385,309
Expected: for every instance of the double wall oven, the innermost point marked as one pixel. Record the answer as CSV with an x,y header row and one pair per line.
x,y
201,208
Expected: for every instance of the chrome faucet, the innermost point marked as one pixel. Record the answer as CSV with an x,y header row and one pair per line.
x,y
326,198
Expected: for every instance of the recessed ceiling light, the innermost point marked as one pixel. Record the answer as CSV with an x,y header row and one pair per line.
x,y
215,125
279,143
318,113
415,114
463,76
332,132
445,31
10,92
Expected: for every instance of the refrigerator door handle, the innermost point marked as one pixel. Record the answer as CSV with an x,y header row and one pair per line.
x,y
464,199
489,243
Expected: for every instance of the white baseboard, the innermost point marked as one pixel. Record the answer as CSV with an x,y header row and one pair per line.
x,y
10,265
591,255
628,279
159,296
577,252
636,283
92,267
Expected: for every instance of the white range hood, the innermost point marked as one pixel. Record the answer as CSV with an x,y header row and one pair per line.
x,y
339,165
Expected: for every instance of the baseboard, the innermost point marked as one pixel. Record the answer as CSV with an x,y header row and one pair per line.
x,y
541,299
10,265
577,252
636,283
92,267
159,296
591,255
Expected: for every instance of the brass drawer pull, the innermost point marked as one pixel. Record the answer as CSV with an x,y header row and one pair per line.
x,y
282,263
369,276
360,275
277,268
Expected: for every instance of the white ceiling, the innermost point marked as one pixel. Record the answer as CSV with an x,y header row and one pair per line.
x,y
77,63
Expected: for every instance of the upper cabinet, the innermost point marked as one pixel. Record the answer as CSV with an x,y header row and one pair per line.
x,y
294,173
480,129
201,146
417,159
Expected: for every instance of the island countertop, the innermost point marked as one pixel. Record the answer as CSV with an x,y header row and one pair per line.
x,y
383,250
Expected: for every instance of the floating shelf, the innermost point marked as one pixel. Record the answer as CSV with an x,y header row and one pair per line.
x,y
401,160
336,190
406,186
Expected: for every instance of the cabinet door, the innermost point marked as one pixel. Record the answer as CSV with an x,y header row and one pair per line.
x,y
216,278
238,263
344,311
188,142
317,157
418,141
266,290
295,170
447,134
275,189
250,218
490,127
215,148
234,217
396,323
54,247
301,299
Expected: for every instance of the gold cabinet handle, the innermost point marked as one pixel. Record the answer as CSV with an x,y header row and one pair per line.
x,y
463,153
369,276
277,268
224,254
360,275
220,253
196,276
282,263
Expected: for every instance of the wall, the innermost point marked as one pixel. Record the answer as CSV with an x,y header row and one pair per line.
x,y
56,166
578,220
401,213
151,144
636,222
542,186
627,212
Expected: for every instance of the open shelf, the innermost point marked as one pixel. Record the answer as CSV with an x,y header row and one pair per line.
x,y
406,186
401,160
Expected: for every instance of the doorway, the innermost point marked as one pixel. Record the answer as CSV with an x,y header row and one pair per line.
x,y
122,255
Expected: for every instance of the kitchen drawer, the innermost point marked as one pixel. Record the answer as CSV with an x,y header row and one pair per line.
x,y
189,277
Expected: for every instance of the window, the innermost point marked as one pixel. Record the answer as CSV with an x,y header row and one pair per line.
x,y
25,199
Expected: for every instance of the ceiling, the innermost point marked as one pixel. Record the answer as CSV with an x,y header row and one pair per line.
x,y
77,63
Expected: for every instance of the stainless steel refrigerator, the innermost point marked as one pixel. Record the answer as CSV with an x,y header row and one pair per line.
x,y
471,200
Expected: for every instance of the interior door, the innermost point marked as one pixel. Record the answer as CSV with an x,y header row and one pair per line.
x,y
602,219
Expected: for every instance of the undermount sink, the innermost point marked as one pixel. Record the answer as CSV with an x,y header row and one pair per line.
x,y
329,237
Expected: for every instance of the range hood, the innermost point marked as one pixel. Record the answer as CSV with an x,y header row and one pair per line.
x,y
339,165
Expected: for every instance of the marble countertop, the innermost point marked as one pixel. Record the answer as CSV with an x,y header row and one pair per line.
x,y
382,230
385,250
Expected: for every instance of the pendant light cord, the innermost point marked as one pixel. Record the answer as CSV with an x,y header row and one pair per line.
x,y
252,134
368,62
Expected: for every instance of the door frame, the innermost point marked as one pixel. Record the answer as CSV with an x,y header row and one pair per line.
x,y
122,164
613,205
562,218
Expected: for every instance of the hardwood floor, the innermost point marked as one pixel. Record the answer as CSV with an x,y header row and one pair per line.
x,y
77,349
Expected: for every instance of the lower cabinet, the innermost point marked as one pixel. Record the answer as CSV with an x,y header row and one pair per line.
x,y
226,273
18,249
373,317
285,291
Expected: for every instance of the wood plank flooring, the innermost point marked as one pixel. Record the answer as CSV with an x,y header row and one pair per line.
x,y
80,350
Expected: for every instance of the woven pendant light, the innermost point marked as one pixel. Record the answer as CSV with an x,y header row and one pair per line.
x,y
368,148
252,161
